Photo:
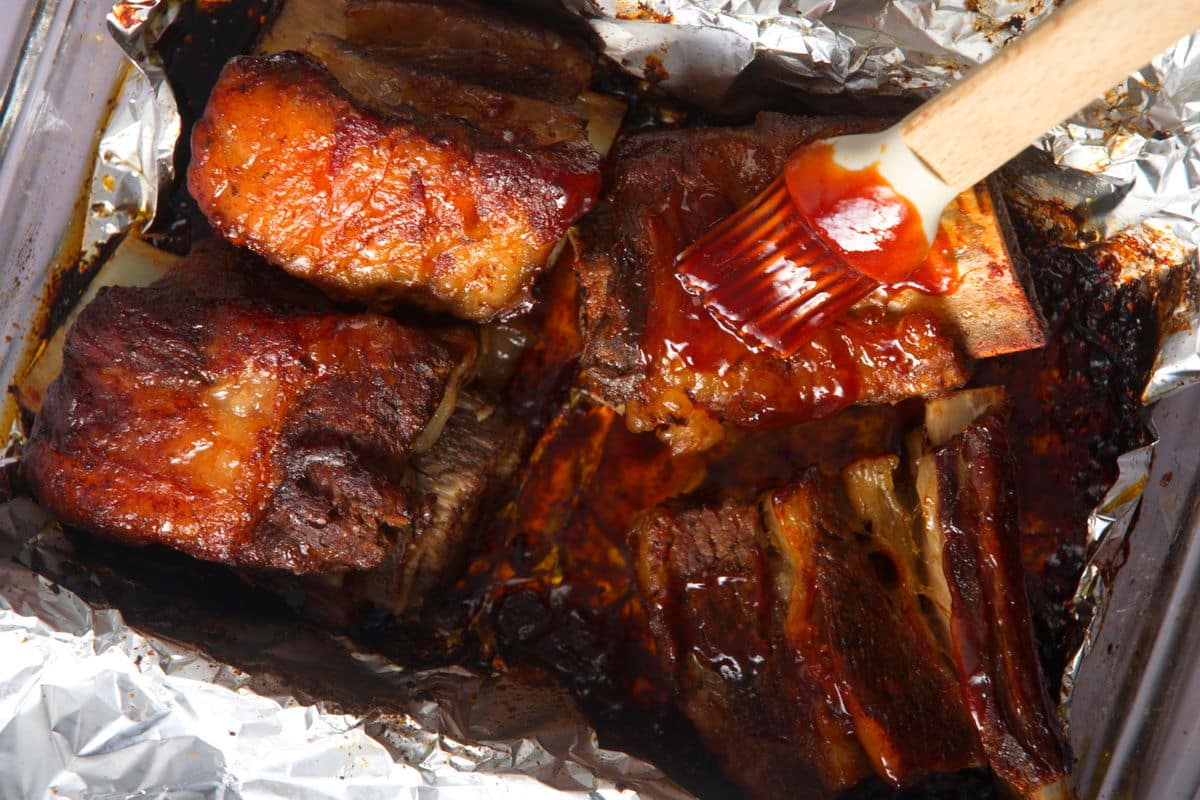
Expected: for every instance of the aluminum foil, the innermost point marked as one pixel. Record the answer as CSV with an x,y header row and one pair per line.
x,y
136,153
91,708
121,708
697,48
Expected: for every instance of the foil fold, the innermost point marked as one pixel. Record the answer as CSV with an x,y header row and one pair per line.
x,y
90,707
887,47
136,154
1140,141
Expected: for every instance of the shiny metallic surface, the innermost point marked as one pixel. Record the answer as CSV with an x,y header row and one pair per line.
x,y
135,158
697,48
91,707
60,93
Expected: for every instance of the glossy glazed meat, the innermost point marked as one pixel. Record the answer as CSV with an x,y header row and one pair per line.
x,y
380,207
966,485
798,668
225,413
872,620
650,349
475,42
562,540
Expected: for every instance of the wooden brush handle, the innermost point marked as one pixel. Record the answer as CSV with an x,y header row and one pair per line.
x,y
1072,57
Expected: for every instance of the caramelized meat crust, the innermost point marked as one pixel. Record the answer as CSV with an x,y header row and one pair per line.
x,y
474,42
381,207
883,608
213,414
471,462
776,628
652,349
994,650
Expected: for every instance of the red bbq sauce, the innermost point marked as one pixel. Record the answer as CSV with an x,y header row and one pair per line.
x,y
857,214
938,273
694,363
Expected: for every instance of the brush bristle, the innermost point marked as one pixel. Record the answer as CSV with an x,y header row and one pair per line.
x,y
767,278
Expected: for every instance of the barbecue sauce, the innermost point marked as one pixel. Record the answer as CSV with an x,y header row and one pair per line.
x,y
682,345
862,219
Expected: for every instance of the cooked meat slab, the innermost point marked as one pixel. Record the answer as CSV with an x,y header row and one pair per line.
x,y
476,42
381,207
966,484
386,84
777,630
707,583
472,61
471,461
651,349
869,621
224,413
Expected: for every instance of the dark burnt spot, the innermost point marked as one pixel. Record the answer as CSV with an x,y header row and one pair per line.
x,y
655,70
1076,405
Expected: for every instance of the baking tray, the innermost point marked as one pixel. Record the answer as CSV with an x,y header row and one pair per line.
x,y
1136,704
64,79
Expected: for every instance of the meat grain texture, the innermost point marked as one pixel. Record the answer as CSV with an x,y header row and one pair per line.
x,y
214,414
651,348
381,207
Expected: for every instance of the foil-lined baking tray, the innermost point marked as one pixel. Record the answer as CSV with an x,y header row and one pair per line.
x,y
91,707
1124,173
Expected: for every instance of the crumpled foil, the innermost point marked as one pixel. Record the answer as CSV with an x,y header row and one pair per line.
x,y
91,708
697,48
131,715
136,153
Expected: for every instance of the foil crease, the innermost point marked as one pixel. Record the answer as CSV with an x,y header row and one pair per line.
x,y
92,708
697,48
103,710
1140,142
1108,526
136,154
